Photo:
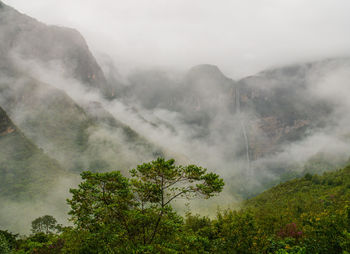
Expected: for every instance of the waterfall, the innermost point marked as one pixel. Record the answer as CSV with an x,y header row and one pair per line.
x,y
241,120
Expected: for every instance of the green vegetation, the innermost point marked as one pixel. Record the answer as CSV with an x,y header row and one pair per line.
x,y
4,245
115,214
25,169
45,224
316,208
286,171
112,212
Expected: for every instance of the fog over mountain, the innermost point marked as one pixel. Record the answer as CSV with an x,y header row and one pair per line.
x,y
242,37
118,95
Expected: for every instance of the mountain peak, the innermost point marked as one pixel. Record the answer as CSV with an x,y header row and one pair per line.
x,y
46,44
206,70
206,73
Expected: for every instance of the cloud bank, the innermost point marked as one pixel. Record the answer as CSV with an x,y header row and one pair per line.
x,y
242,37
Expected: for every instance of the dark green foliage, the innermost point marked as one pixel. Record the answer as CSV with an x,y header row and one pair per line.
x,y
306,215
41,243
10,238
116,214
4,245
285,171
45,224
317,206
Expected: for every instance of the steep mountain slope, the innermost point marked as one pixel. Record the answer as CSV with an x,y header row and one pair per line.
x,y
285,103
26,171
26,38
221,123
295,114
199,107
76,138
202,93
275,107
47,114
252,129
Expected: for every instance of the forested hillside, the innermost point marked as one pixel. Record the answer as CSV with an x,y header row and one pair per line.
x,y
26,171
115,215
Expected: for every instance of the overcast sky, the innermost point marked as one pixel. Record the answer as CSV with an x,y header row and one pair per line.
x,y
241,37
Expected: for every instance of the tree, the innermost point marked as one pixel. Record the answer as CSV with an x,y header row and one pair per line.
x,y
158,183
45,224
137,211
4,245
10,238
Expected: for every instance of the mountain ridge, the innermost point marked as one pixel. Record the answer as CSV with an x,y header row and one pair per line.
x,y
28,38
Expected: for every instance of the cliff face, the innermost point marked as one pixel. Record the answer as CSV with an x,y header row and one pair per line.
x,y
26,38
286,104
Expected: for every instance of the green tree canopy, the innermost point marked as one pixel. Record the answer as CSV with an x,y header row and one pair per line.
x,y
137,212
45,224
4,245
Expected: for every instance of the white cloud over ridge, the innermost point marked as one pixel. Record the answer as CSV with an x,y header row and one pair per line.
x,y
242,37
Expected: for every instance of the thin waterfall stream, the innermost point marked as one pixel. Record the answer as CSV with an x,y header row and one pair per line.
x,y
241,120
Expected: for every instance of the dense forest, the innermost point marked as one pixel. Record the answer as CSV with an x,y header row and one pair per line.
x,y
115,214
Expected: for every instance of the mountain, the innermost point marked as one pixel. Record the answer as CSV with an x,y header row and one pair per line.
x,y
276,106
268,126
201,98
26,171
43,107
199,95
49,84
57,94
69,132
28,39
285,104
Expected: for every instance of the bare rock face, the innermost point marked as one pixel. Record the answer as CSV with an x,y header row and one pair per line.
x,y
286,102
28,39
